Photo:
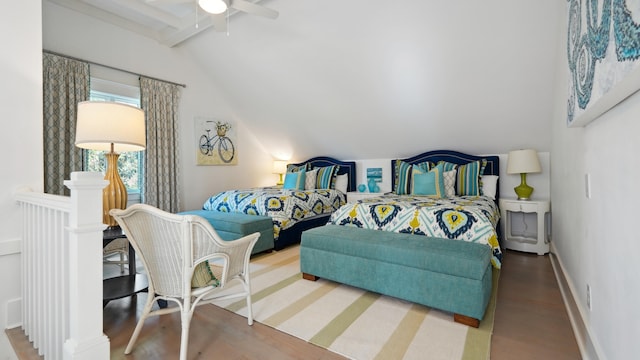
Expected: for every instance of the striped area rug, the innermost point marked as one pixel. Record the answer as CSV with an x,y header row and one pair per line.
x,y
355,323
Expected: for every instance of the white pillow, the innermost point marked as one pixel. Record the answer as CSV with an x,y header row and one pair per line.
x,y
450,183
489,185
342,181
310,179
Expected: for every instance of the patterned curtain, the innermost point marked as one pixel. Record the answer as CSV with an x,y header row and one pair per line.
x,y
159,100
65,84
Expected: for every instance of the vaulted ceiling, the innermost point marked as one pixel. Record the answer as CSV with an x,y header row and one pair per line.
x,y
370,75
170,22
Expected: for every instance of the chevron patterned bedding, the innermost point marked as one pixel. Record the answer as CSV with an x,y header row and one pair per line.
x,y
468,218
285,207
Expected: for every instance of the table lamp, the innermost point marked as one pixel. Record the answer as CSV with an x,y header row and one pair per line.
x,y
280,168
523,162
116,128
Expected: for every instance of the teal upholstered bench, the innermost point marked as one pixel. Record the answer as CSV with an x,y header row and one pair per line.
x,y
451,275
232,226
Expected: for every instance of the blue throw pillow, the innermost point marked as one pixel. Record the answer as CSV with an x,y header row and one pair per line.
x,y
403,177
292,168
428,183
294,180
424,184
447,165
326,177
468,178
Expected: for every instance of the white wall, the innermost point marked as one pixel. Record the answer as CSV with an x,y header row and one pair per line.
x,y
21,114
370,79
596,239
73,34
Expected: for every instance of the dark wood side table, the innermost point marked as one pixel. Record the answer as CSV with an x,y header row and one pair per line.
x,y
126,285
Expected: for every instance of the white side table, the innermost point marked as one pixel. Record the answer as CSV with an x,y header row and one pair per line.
x,y
353,196
538,244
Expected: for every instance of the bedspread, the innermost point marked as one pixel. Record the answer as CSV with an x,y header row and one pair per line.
x,y
285,207
468,218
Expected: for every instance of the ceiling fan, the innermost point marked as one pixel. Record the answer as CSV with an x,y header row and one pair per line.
x,y
219,8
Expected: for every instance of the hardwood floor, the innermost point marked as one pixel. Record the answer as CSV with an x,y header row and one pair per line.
x,y
530,323
531,320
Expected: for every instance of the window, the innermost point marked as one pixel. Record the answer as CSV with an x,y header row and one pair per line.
x,y
130,164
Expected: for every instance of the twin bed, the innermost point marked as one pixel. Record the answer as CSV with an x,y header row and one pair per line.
x,y
465,210
429,241
403,236
292,210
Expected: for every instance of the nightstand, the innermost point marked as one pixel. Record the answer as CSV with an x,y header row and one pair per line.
x,y
538,244
353,196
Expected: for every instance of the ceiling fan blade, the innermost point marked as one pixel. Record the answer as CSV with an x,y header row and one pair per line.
x,y
251,8
219,22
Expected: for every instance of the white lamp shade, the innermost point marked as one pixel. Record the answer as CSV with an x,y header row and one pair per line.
x,y
523,162
279,167
213,6
102,123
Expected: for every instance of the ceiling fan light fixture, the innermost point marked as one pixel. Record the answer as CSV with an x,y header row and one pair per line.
x,y
213,6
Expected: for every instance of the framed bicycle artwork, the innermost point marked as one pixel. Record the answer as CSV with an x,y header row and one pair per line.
x,y
215,141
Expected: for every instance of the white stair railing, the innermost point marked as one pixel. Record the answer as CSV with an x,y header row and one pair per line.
x,y
62,270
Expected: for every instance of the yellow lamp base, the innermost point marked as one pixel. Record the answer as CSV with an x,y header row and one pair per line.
x,y
280,182
114,196
523,190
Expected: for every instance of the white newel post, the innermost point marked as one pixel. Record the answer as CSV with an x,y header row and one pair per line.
x,y
86,338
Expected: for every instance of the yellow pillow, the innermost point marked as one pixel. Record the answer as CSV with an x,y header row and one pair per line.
x,y
202,276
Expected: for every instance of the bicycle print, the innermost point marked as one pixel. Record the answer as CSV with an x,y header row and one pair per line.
x,y
215,143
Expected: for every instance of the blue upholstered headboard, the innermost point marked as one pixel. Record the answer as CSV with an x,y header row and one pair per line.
x,y
346,167
455,157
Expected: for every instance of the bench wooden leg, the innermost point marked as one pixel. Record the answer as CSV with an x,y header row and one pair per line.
x,y
466,320
309,277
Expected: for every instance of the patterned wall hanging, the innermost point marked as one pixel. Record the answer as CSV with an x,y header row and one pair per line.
x,y
603,51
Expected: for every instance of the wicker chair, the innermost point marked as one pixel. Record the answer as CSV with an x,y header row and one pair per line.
x,y
170,248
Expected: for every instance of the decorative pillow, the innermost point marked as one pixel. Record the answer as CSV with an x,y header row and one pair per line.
x,y
450,183
310,179
292,168
430,183
342,182
448,166
294,180
423,166
468,178
418,169
489,185
326,177
202,276
483,165
402,178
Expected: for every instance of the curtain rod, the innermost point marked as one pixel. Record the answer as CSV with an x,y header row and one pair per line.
x,y
111,67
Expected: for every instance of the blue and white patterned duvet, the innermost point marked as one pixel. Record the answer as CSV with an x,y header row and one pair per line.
x,y
285,207
468,218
